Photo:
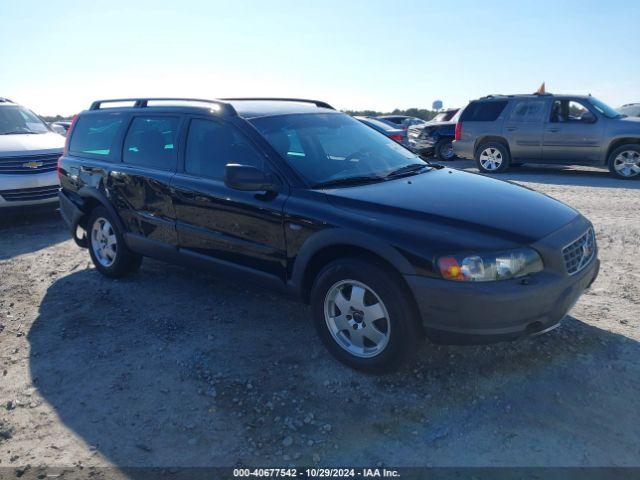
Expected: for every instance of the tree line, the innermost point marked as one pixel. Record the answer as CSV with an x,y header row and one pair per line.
x,y
422,113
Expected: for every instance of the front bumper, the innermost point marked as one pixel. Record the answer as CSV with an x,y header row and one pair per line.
x,y
19,192
487,312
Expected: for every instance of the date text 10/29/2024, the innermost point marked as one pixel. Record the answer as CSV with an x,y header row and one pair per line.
x,y
316,473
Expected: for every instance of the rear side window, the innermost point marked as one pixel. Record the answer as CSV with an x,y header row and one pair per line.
x,y
150,142
212,145
485,111
528,111
96,134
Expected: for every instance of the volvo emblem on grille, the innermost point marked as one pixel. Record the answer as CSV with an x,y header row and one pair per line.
x,y
32,164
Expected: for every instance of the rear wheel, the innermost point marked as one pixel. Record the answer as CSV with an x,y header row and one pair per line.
x,y
624,162
444,150
493,157
363,315
107,249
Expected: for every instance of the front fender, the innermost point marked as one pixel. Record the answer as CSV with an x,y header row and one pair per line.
x,y
349,238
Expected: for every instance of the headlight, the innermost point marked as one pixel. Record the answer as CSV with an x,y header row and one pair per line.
x,y
487,267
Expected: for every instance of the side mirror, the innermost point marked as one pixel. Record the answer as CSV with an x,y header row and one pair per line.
x,y
249,179
588,117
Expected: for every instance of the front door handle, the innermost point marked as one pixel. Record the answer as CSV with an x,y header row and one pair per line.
x,y
555,129
512,129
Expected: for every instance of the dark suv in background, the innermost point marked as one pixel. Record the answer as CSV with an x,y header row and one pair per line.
x,y
503,130
436,136
311,202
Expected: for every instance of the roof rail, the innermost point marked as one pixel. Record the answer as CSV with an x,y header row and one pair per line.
x,y
3,99
143,102
317,103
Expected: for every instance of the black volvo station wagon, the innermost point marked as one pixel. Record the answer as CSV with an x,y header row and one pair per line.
x,y
293,194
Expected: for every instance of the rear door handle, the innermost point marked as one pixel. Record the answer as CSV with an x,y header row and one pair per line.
x,y
553,130
512,129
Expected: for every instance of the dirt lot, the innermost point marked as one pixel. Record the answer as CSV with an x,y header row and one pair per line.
x,y
176,368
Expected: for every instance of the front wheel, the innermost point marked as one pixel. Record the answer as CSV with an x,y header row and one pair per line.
x,y
363,315
444,150
624,162
493,157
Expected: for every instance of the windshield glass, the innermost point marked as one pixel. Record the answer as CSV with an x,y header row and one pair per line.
x,y
603,108
18,120
325,147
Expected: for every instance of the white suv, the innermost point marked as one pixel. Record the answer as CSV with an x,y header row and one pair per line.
x,y
29,152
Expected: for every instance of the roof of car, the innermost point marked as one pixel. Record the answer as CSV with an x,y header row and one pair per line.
x,y
243,107
529,95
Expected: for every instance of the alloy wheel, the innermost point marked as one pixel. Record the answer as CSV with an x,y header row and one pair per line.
x,y
491,158
357,318
627,163
104,242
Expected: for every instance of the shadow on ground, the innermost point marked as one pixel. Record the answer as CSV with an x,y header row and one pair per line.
x,y
554,175
24,233
172,368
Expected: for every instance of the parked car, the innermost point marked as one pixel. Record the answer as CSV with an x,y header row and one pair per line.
x,y
444,116
61,127
630,109
29,153
311,202
403,121
500,131
394,133
436,136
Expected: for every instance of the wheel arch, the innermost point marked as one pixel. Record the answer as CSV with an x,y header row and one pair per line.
x,y
93,198
330,245
618,142
490,138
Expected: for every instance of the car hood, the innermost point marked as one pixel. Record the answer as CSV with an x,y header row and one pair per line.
x,y
14,145
461,200
630,120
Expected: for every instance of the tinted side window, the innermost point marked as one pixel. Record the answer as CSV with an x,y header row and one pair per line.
x,y
96,133
150,142
485,111
212,145
529,111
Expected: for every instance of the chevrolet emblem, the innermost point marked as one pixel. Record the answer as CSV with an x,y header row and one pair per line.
x,y
32,164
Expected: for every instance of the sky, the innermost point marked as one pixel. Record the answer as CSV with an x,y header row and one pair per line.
x,y
57,56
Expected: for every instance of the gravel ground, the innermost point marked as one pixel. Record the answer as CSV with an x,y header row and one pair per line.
x,y
176,368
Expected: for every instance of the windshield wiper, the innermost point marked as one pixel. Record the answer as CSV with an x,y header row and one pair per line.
x,y
407,169
349,181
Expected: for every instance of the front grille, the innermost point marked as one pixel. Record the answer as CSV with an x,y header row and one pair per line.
x,y
579,253
26,194
28,164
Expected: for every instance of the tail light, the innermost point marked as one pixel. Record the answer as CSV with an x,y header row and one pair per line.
x,y
397,137
66,145
458,130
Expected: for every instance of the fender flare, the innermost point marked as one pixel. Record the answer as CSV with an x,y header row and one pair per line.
x,y
346,237
93,193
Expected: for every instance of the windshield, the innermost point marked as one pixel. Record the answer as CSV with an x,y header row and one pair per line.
x,y
325,147
15,119
603,108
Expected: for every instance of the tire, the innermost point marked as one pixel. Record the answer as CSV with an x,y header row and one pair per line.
x,y
107,249
443,150
624,162
493,157
395,331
